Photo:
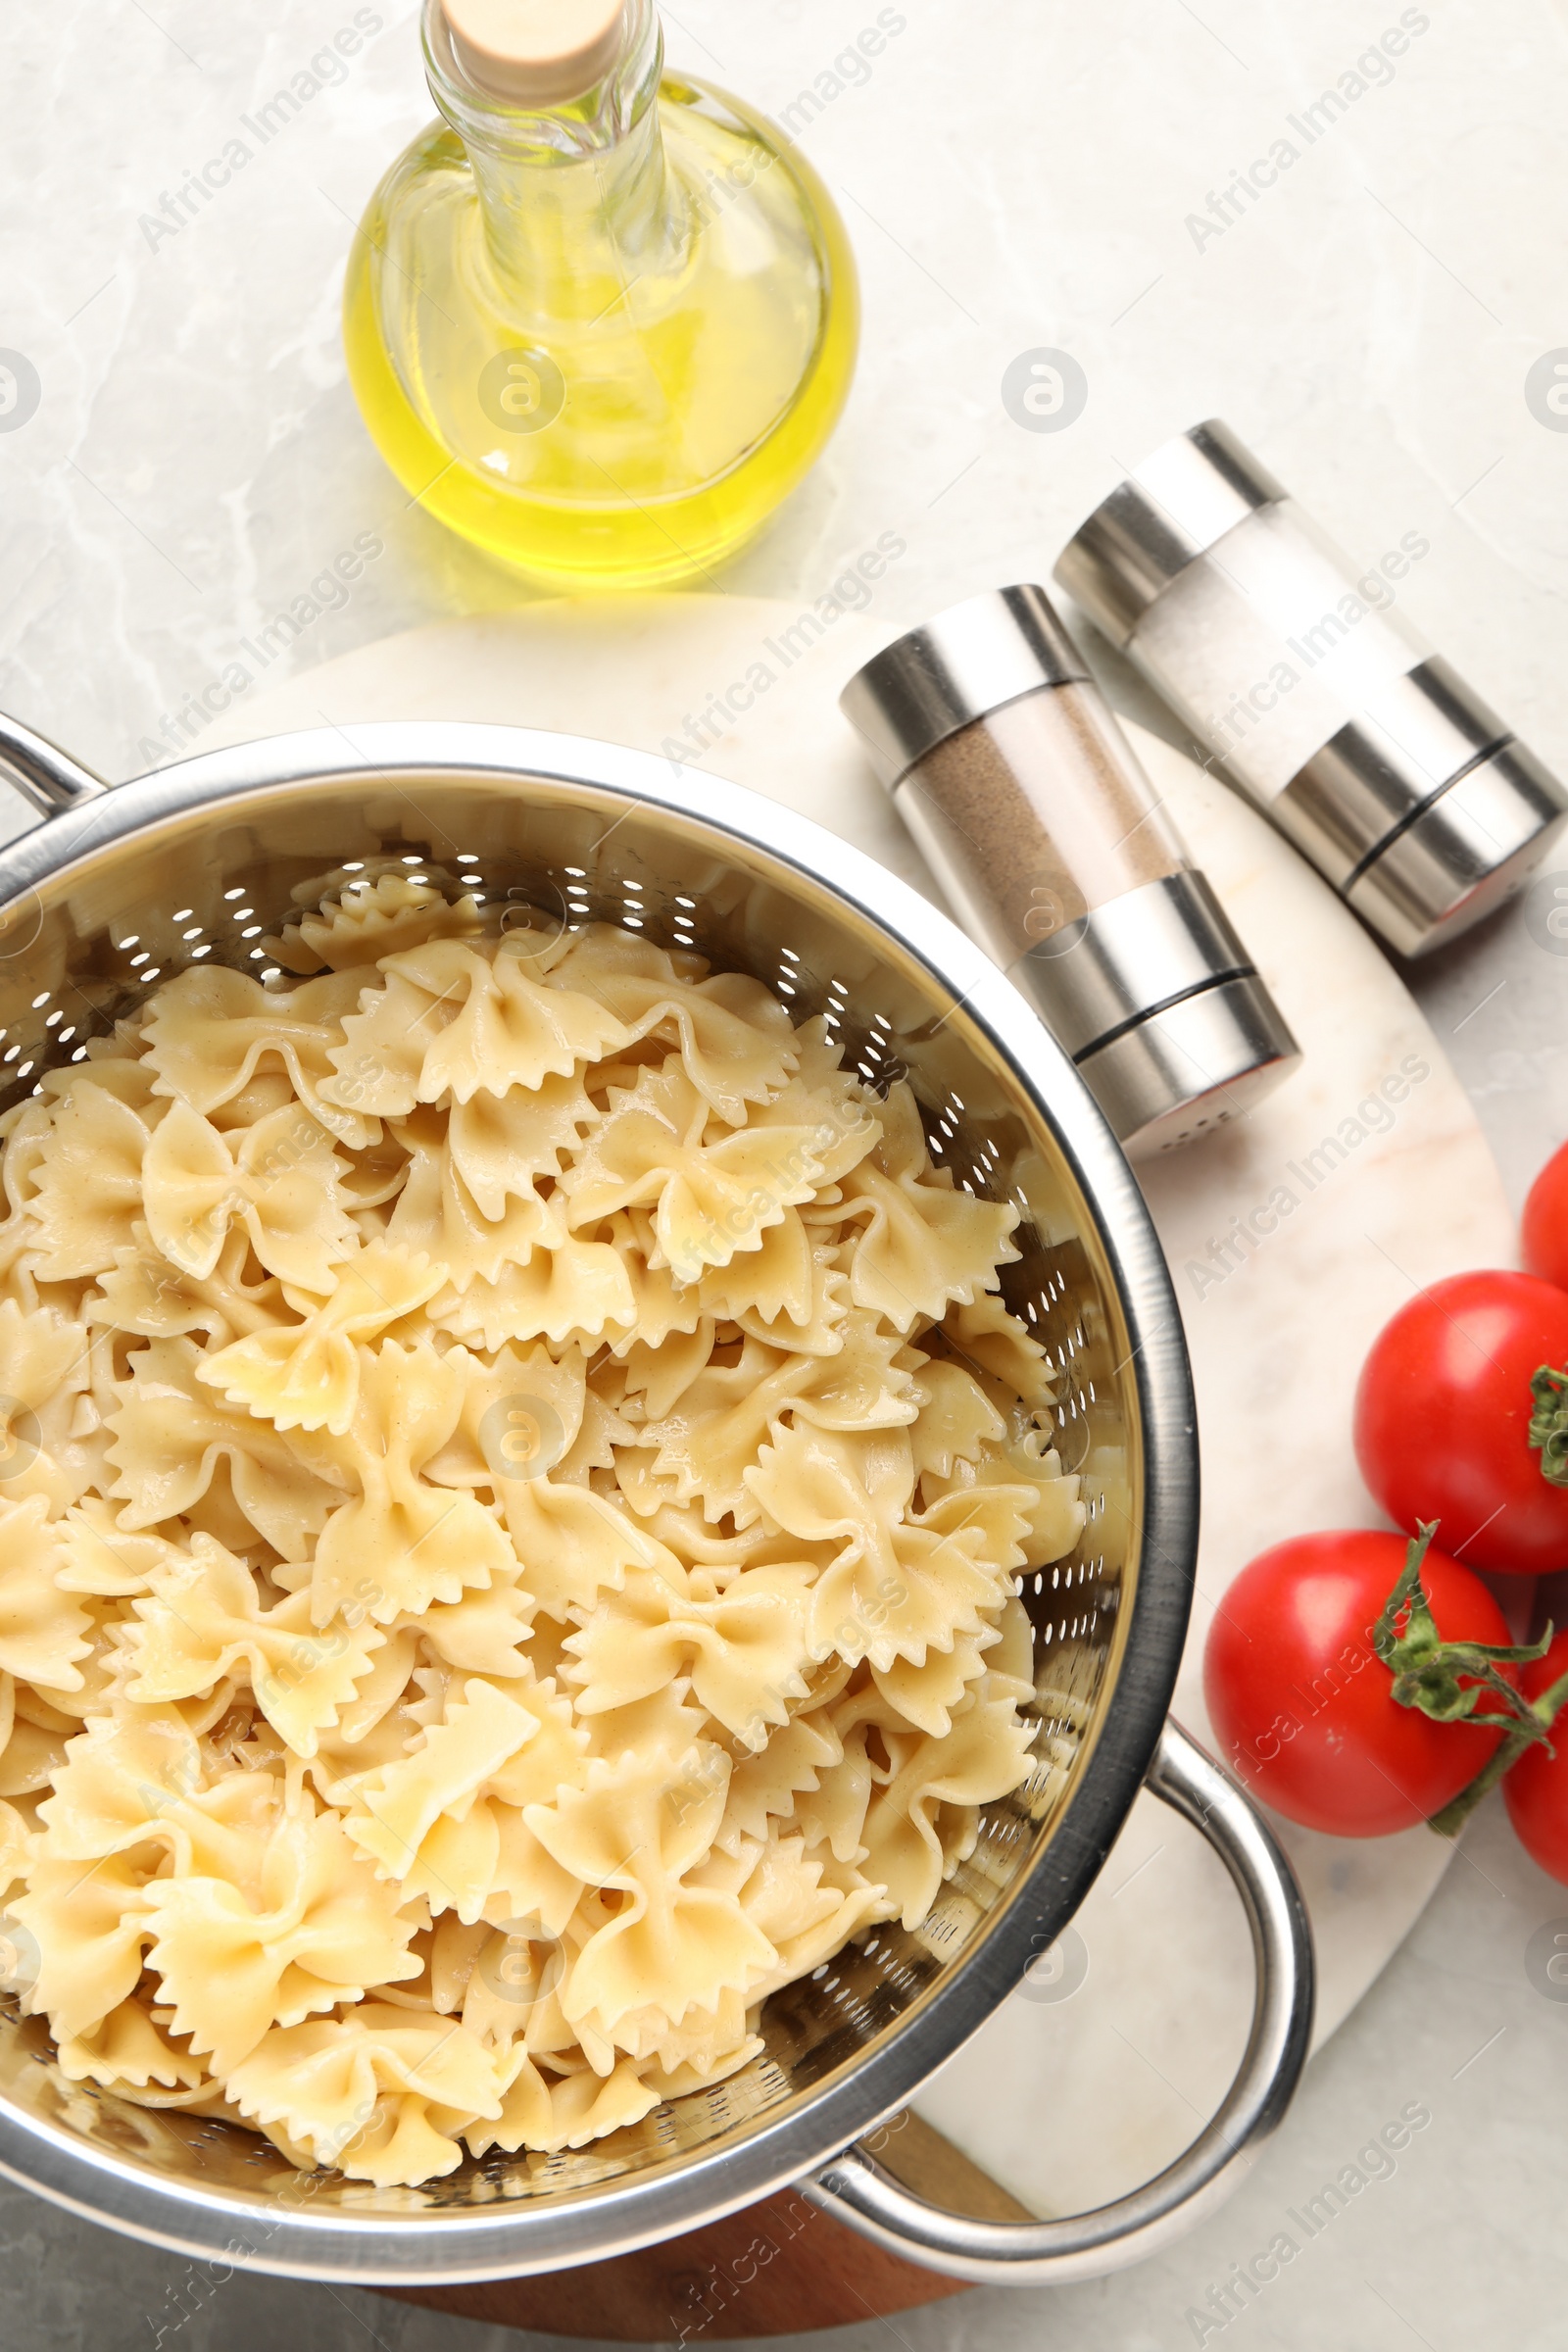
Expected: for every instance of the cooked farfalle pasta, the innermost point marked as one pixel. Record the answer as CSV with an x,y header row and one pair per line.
x,y
513,1484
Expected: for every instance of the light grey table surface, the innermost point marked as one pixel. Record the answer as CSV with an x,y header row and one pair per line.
x,y
1023,178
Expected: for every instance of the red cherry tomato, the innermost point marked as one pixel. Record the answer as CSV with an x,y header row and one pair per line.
x,y
1536,1790
1442,1415
1545,1231
1302,1703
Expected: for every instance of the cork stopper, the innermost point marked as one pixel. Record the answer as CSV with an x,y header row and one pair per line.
x,y
535,52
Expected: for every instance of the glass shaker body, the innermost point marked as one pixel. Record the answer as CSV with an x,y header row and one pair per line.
x,y
1059,859
1035,818
1266,637
1297,670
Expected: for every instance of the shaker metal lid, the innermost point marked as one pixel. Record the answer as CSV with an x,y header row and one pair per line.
x,y
968,660
1157,1001
1169,512
1464,853
1192,1066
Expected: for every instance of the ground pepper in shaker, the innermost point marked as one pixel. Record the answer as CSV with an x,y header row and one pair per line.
x,y
1009,769
1368,750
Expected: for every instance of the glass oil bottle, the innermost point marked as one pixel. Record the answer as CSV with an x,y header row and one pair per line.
x,y
599,320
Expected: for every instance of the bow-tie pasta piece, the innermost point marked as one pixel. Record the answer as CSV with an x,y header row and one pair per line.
x,y
788,1290
419,1542
578,1290
123,1782
372,919
564,2111
639,1827
48,1422
957,1421
573,1544
375,1064
734,1039
25,1132
867,1382
745,1648
315,1927
983,1333
284,1185
923,1242
553,1756
697,2050
514,1030
896,1588
42,1631
658,1304
417,1819
171,1434
926,1695
710,1199
306,1375
128,2054
148,1296
1031,1472
128,1803
520,1416
707,1445
780,1888
436,1212
983,1756
380,2094
446,1820
840,1113
211,1030
710,1444
483,1632
87,1179
202,1621
451,1019
764,1786
88,1924
501,1143
658,1377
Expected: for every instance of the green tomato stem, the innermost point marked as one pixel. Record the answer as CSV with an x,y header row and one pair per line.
x,y
1544,1714
1448,1680
1445,1680
1548,1424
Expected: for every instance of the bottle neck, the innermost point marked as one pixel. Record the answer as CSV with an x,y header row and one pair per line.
x,y
574,197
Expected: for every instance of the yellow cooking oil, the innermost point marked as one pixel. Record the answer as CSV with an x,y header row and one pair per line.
x,y
602,337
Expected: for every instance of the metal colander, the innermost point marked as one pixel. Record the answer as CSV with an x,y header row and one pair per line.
x,y
207,860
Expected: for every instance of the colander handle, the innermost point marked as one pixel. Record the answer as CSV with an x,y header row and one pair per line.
x,y
857,2189
47,778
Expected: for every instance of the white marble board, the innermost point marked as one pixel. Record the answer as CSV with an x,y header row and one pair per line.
x,y
1072,2100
